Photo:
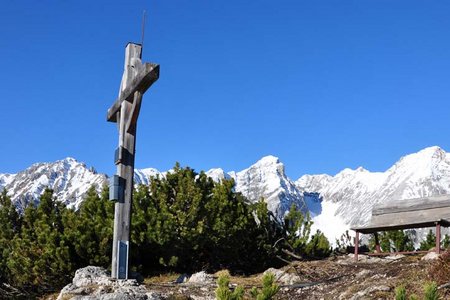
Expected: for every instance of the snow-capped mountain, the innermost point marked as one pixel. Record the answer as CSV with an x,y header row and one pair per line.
x,y
142,176
217,174
348,197
69,179
267,180
335,202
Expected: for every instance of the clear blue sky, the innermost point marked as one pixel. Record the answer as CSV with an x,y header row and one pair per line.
x,y
323,85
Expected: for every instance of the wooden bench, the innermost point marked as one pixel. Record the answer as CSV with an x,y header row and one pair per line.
x,y
407,214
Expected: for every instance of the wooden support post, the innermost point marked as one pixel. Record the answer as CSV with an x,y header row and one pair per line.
x,y
377,243
356,245
136,79
438,237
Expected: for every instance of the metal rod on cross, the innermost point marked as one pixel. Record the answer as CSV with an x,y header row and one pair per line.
x,y
136,79
144,14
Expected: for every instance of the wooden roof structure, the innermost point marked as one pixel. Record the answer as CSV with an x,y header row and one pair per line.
x,y
407,214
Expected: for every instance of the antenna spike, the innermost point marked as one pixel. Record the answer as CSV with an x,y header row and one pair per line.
x,y
144,14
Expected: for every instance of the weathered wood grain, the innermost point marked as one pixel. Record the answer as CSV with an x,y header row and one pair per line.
x,y
410,213
136,79
147,75
442,201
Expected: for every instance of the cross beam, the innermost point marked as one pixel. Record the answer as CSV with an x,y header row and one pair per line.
x,y
147,75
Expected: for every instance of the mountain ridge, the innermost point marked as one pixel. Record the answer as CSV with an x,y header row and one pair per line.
x,y
349,196
335,202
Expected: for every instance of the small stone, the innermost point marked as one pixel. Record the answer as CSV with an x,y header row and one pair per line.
x,y
92,283
201,278
363,294
430,256
182,278
364,273
283,277
395,257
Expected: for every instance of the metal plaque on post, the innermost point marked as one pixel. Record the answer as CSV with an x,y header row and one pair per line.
x,y
122,262
116,189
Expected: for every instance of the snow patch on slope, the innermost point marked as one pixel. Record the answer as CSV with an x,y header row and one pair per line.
x,y
6,179
351,194
331,224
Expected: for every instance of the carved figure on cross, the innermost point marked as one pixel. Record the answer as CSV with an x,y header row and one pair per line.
x,y
136,79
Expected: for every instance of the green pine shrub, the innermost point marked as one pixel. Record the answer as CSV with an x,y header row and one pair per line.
x,y
396,241
429,242
269,288
223,291
344,242
41,257
446,241
182,222
318,246
431,291
400,293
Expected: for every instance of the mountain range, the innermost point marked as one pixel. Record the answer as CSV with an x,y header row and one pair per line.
x,y
335,202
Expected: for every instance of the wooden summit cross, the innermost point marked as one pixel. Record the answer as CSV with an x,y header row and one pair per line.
x,y
136,79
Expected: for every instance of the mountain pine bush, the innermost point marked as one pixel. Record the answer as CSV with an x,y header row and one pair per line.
x,y
269,288
223,291
183,222
431,291
396,241
429,242
400,293
318,246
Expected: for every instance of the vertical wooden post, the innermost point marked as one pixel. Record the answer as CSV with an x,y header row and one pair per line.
x,y
377,243
438,237
356,245
125,168
136,79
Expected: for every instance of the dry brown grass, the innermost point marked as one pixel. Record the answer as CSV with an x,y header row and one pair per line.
x,y
162,278
439,271
333,279
248,281
52,296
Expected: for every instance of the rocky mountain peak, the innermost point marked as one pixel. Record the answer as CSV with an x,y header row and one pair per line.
x,y
425,158
143,176
266,179
217,174
68,178
268,160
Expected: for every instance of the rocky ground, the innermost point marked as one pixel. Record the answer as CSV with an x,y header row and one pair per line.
x,y
334,278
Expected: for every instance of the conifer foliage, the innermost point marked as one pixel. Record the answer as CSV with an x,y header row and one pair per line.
x,y
40,255
429,242
10,224
396,240
43,247
184,222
